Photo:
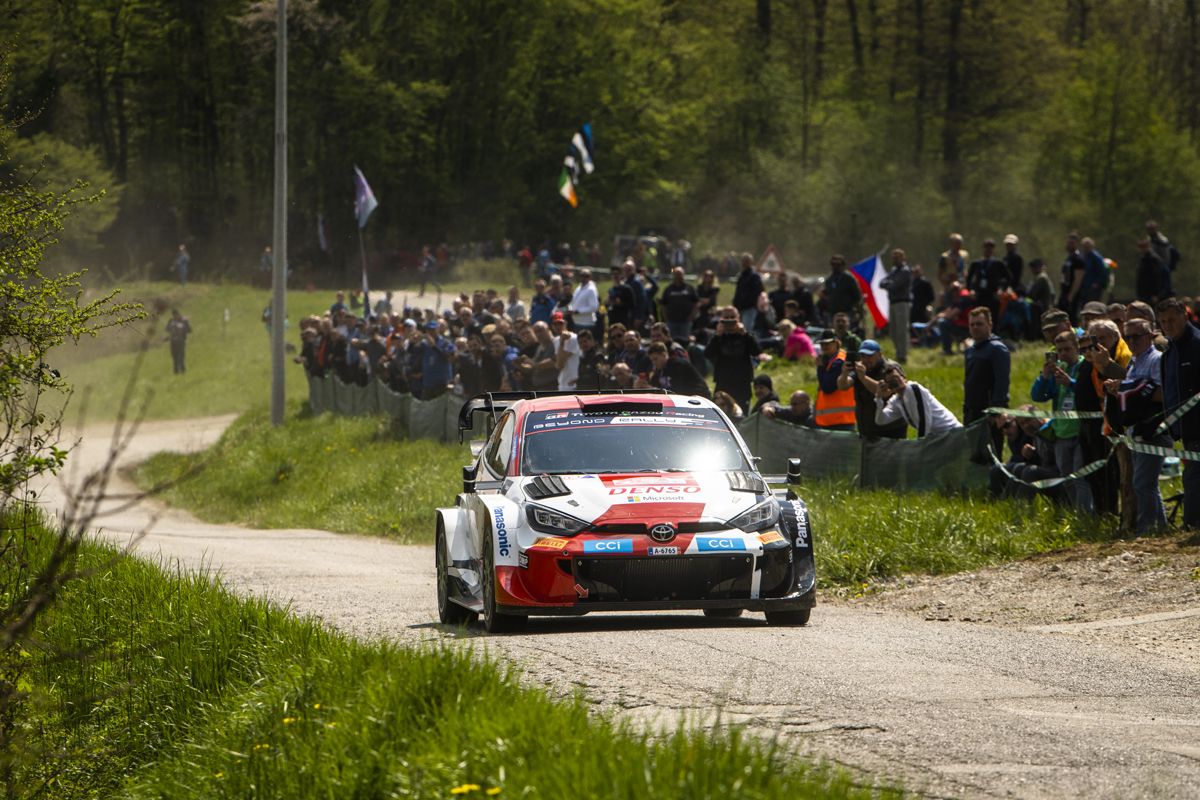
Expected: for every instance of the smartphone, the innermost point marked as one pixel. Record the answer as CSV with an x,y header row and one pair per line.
x,y
852,357
1052,357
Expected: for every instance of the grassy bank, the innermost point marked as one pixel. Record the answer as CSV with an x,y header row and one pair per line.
x,y
348,475
148,683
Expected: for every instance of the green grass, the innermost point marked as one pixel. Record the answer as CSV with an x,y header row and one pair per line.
x,y
345,474
348,475
147,683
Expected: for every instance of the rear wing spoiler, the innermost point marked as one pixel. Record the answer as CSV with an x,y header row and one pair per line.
x,y
496,403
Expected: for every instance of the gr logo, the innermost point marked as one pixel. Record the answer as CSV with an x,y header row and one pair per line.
x,y
710,544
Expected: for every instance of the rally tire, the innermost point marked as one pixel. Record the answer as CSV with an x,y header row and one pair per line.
x,y
493,620
449,612
789,618
723,613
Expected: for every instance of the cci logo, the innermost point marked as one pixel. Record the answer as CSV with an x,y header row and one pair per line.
x,y
608,546
711,544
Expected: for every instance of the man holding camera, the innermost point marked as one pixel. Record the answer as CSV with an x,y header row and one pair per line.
x,y
862,372
1056,383
733,354
898,398
835,405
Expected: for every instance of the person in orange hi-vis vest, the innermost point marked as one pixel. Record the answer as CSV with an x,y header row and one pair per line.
x,y
835,407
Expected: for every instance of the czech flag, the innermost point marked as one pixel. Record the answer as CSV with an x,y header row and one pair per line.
x,y
869,272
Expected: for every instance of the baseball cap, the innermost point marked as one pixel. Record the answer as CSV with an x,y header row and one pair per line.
x,y
869,346
763,380
432,325
1094,307
557,316
1011,239
1053,319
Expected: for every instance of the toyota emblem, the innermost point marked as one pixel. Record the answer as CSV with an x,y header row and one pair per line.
x,y
663,532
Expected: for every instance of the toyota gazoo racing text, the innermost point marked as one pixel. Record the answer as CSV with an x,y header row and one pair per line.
x,y
608,502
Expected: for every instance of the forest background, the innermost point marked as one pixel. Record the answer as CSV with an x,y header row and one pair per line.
x,y
816,125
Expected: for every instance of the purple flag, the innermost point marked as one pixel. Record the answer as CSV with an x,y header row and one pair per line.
x,y
364,198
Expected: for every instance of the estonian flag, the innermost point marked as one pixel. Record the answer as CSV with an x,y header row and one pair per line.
x,y
579,158
869,272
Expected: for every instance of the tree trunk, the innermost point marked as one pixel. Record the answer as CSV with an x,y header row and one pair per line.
x,y
819,9
922,82
855,36
764,21
1192,79
954,117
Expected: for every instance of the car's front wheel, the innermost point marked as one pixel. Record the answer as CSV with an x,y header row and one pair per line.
x,y
449,612
789,617
493,620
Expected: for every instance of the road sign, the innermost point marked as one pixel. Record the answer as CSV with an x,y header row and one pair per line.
x,y
770,261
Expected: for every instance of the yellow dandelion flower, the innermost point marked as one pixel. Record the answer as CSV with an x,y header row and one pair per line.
x,y
288,720
492,792
316,705
218,775
330,724
466,787
263,746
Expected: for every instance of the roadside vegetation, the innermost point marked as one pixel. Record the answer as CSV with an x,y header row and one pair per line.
x,y
150,682
348,475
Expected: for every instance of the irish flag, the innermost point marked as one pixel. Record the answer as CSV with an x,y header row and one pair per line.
x,y
869,272
566,187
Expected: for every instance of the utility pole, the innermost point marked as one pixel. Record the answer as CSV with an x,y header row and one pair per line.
x,y
279,267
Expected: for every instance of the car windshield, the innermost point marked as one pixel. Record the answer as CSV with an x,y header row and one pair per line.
x,y
673,439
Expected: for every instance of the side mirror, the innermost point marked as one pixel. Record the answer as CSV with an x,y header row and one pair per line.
x,y
793,471
469,477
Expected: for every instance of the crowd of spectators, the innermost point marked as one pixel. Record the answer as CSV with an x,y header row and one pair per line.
x,y
1132,362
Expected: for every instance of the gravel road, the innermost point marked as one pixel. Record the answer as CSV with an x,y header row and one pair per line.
x,y
957,709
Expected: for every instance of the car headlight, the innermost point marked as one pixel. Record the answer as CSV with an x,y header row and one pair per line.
x,y
546,520
761,516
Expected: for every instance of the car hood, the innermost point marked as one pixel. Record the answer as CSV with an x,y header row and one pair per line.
x,y
652,498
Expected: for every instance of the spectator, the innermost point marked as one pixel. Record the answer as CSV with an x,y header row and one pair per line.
x,y
1153,276
1056,383
1054,322
183,261
733,353
804,303
863,377
633,355
902,399
593,365
1033,461
1014,262
544,358
798,411
841,329
1105,357
706,294
779,296
835,406
674,374
1181,382
468,363
679,303
923,297
641,303
621,301
566,353
1041,290
1166,251
541,305
898,283
585,303
726,403
178,329
841,292
1138,406
622,377
797,346
1073,268
764,393
952,263
986,374
745,296
986,277
516,308
427,268
437,366
1095,272
339,304
953,319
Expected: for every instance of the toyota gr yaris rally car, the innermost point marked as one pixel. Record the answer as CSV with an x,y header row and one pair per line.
x,y
609,502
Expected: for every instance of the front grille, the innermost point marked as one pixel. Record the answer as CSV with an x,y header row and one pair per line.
x,y
665,578
638,528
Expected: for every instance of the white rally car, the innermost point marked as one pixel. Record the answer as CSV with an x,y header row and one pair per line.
x,y
610,502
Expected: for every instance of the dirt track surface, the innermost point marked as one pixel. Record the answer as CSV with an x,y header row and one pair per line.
x,y
1034,697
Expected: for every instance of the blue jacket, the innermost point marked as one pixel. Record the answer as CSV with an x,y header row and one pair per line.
x,y
1049,389
985,381
436,367
540,308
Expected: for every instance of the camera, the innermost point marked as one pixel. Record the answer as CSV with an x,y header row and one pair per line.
x,y
852,357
